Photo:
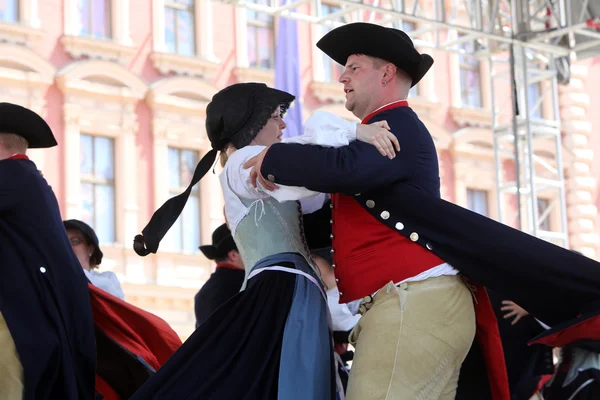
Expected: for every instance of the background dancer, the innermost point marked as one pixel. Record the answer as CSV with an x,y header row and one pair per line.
x,y
46,330
87,248
228,277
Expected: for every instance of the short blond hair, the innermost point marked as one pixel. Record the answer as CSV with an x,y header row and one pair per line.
x,y
13,142
400,73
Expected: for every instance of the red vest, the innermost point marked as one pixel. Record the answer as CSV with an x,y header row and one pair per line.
x,y
368,254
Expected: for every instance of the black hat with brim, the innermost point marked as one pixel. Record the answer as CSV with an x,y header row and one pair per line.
x,y
222,243
90,237
237,113
27,124
389,44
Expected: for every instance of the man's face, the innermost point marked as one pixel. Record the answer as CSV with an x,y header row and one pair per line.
x,y
361,84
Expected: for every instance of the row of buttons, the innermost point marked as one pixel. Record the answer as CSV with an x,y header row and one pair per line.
x,y
332,250
385,215
414,236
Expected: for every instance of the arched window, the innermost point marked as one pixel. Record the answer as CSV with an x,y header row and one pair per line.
x,y
100,141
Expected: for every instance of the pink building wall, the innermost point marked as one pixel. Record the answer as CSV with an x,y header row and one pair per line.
x,y
592,86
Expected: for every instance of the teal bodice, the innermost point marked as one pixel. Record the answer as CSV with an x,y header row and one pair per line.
x,y
270,228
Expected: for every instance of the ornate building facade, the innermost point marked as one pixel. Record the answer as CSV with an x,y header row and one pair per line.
x,y
124,85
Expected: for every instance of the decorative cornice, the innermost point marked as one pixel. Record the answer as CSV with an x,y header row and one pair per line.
x,y
100,79
107,50
255,75
168,63
180,94
19,34
423,106
476,117
182,132
83,87
71,114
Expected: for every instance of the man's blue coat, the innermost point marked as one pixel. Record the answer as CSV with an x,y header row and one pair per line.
x,y
43,290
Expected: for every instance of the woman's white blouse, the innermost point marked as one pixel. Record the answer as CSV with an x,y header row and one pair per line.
x,y
321,128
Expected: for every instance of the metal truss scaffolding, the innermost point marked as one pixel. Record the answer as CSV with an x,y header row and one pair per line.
x,y
528,45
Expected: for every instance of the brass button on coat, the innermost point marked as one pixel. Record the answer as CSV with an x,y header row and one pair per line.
x,y
370,203
414,236
385,214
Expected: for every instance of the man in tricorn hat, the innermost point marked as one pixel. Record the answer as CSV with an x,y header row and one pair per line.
x,y
228,277
416,310
46,330
398,245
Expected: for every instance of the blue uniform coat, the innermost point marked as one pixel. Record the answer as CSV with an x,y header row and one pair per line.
x,y
553,284
43,290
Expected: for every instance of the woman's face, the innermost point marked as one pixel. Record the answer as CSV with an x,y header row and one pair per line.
x,y
272,131
82,250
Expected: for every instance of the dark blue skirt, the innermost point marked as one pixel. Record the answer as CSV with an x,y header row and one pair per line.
x,y
270,341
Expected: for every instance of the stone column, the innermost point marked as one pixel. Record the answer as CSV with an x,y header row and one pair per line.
x,y
580,182
72,114
126,160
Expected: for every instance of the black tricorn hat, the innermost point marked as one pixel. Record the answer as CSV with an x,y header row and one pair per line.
x,y
222,243
373,40
90,237
25,123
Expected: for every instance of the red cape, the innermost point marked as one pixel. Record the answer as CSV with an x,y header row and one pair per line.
x,y
488,336
138,331
583,328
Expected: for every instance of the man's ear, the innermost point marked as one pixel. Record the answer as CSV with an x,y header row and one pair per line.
x,y
389,71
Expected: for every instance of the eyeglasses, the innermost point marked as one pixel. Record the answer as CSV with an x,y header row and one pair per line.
x,y
75,241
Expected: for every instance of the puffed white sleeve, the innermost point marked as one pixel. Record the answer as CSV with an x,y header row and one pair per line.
x,y
326,129
238,179
115,285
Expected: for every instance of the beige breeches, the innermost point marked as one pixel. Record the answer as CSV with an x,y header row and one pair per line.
x,y
11,371
411,341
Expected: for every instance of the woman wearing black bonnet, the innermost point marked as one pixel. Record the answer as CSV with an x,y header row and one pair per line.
x,y
272,340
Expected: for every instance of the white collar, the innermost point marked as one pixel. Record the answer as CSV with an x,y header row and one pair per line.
x,y
388,104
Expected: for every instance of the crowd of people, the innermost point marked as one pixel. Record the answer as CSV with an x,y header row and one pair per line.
x,y
340,272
